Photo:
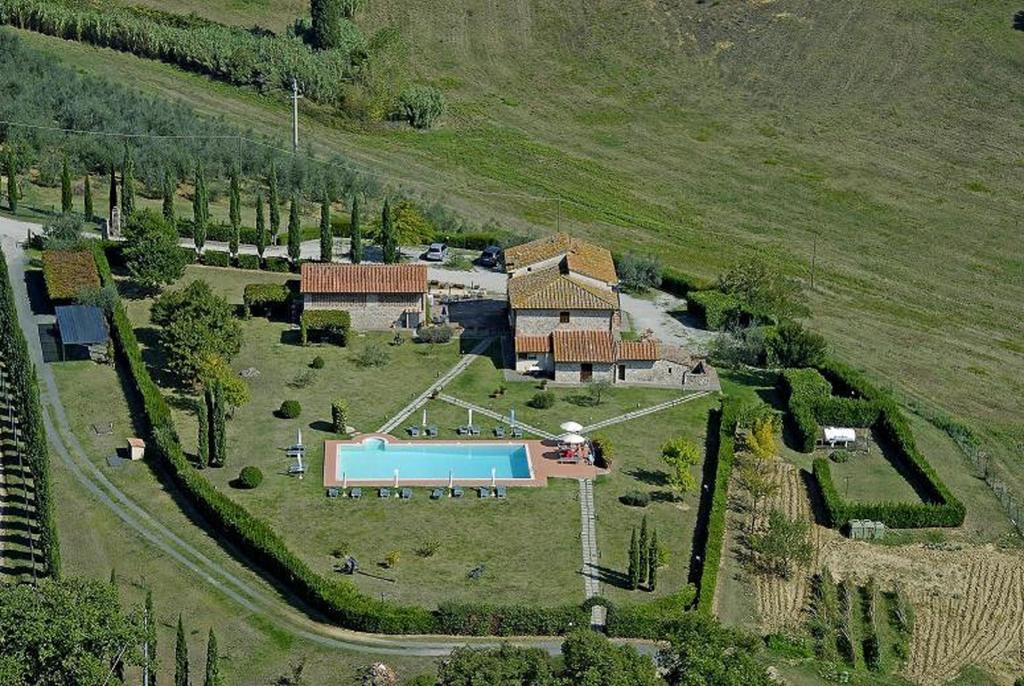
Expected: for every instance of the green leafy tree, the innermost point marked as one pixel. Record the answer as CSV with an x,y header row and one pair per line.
x,y
151,250
388,240
215,369
326,236
200,209
63,232
339,416
180,657
421,105
783,544
87,208
213,677
197,323
112,195
294,231
681,455
644,547
590,659
633,572
13,193
356,232
653,561
702,652
791,345
149,638
762,288
274,203
504,666
234,212
261,226
127,184
169,187
66,196
203,433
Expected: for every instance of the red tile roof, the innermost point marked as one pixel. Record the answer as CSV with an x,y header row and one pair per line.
x,y
580,256
533,344
646,349
583,346
363,278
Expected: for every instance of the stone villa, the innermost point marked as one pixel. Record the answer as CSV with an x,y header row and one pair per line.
x,y
563,305
376,296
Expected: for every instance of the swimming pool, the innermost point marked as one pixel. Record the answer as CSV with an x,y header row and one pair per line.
x,y
376,459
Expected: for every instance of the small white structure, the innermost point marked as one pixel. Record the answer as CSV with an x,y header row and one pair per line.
x,y
571,427
835,435
136,448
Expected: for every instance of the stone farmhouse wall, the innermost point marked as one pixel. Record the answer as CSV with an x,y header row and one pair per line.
x,y
543,322
369,311
569,372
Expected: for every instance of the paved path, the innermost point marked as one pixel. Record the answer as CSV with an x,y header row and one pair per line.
x,y
495,415
441,382
588,537
642,412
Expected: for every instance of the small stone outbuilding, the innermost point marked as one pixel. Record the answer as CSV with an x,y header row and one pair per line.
x,y
376,296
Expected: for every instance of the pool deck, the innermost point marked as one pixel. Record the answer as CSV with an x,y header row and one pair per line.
x,y
543,461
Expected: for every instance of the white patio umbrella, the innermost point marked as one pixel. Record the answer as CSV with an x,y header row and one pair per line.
x,y
424,416
512,416
299,441
344,480
471,416
493,477
571,427
451,479
396,478
572,439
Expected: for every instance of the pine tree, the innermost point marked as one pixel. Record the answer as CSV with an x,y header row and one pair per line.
x,y
87,198
294,232
66,196
200,209
357,232
234,212
112,197
180,657
12,181
643,544
170,185
212,662
127,184
150,638
261,226
203,435
387,235
634,562
326,236
273,201
652,562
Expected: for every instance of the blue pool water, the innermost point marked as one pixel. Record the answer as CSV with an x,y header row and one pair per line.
x,y
377,460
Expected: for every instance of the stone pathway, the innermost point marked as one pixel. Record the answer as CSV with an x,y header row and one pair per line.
x,y
635,414
495,415
441,382
588,538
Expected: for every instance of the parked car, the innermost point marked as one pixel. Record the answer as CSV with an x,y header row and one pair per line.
x,y
490,257
437,252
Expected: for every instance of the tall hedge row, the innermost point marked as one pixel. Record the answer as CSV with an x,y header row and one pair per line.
x,y
717,310
230,53
24,389
808,393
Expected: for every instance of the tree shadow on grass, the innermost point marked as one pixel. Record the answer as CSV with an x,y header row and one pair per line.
x,y
652,477
291,337
1018,21
612,577
321,425
38,300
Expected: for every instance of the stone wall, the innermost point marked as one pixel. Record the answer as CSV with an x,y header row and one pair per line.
x,y
527,360
656,372
569,372
543,322
369,312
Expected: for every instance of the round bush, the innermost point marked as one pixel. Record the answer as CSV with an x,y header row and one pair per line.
x,y
317,363
840,456
290,409
636,499
542,400
250,477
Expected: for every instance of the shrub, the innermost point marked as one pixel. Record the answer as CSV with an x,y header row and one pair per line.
x,y
250,477
679,284
277,264
69,272
636,499
648,620
267,296
428,548
840,456
333,325
290,409
247,261
373,355
434,334
216,258
542,400
716,310
339,416
188,255
638,273
317,363
392,559
605,451
421,105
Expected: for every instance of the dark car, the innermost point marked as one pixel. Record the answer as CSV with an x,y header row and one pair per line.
x,y
490,257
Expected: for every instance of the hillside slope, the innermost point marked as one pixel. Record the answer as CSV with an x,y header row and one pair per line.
x,y
704,131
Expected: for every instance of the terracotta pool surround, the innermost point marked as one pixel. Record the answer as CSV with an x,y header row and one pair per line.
x,y
543,456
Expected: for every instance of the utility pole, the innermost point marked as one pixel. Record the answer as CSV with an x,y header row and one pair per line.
x,y
295,115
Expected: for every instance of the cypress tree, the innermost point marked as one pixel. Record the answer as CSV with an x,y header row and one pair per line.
x,y
220,448
87,198
65,188
652,562
234,212
12,181
357,232
200,209
203,436
643,545
387,235
127,184
634,562
261,226
294,232
325,20
180,657
168,199
210,396
212,662
112,197
150,638
272,201
326,236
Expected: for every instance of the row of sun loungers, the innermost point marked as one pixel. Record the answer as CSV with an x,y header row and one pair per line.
x,y
406,493
465,430
429,432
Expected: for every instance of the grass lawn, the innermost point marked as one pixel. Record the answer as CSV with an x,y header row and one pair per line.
x,y
870,477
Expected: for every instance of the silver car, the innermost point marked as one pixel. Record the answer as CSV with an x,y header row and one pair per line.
x,y
437,252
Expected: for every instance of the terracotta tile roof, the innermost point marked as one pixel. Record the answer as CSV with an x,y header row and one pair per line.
x,y
551,290
533,344
673,353
580,256
363,278
646,349
583,346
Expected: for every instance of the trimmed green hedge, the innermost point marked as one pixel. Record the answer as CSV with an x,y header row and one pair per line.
x,y
247,261
646,620
24,391
277,264
264,295
216,258
480,619
726,416
680,284
717,310
808,393
335,324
